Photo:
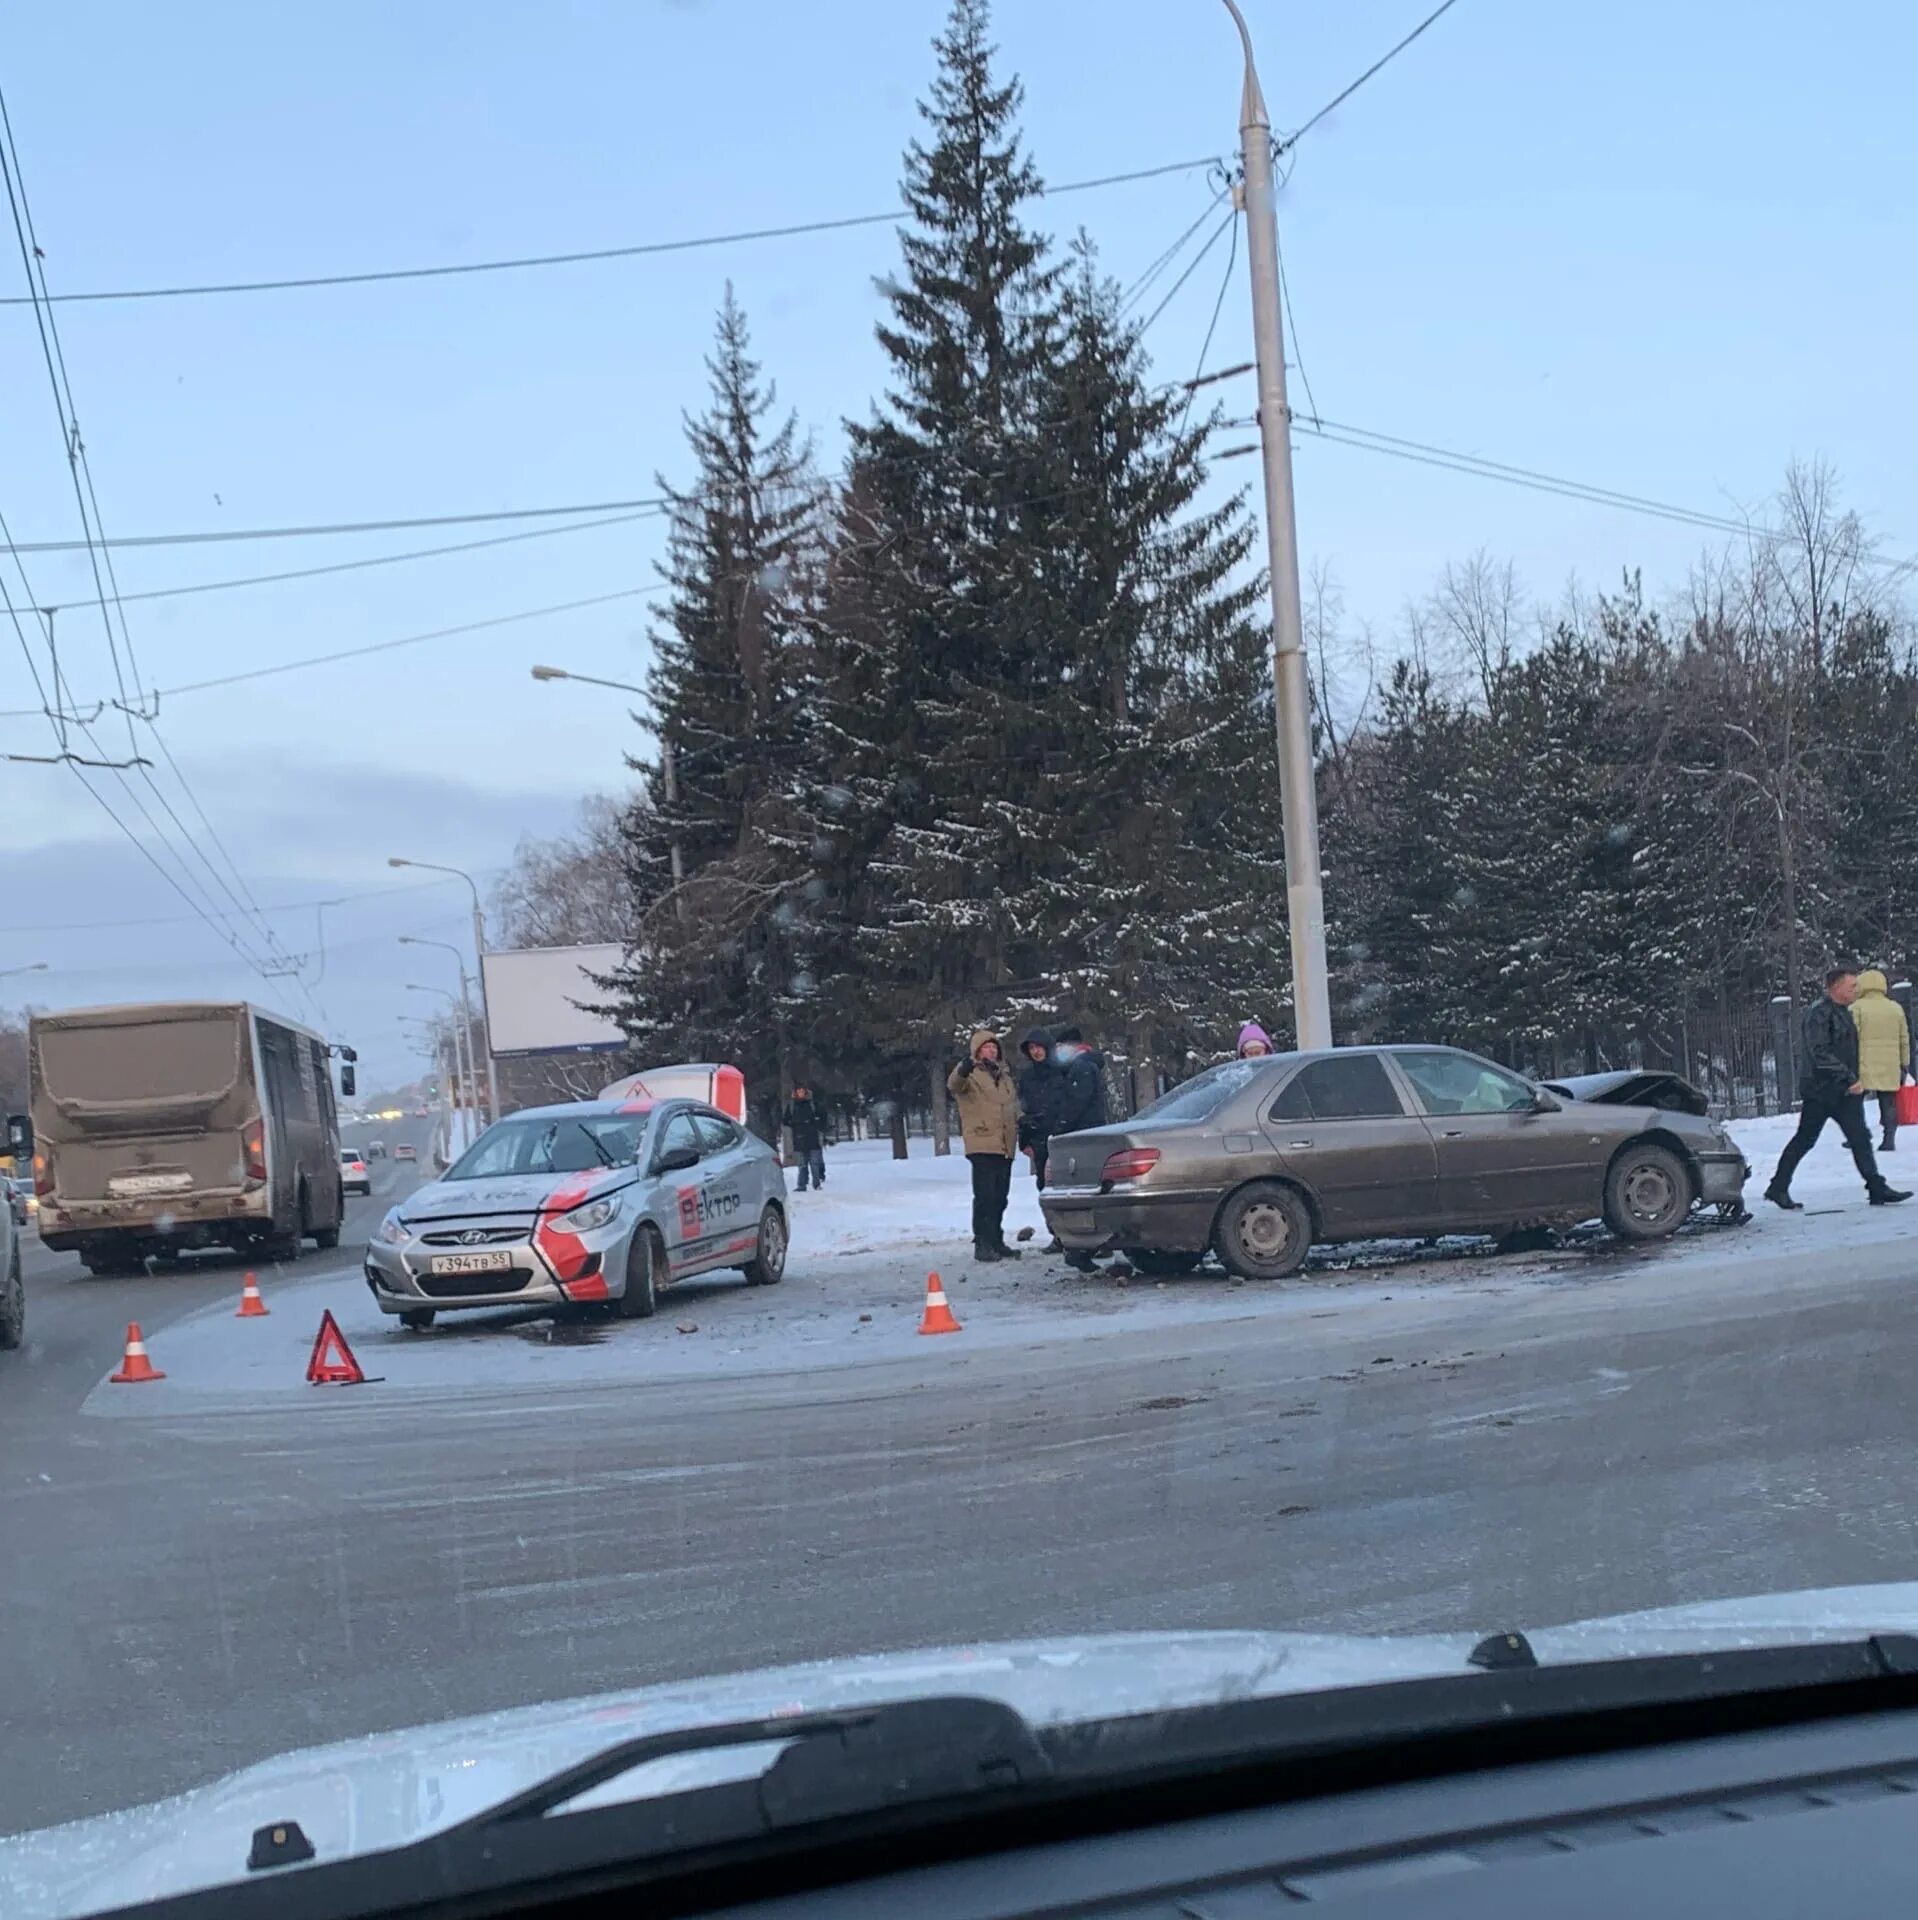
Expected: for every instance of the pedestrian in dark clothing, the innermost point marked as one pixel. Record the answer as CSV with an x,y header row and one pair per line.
x,y
1829,1089
809,1139
989,1118
1079,1100
1038,1089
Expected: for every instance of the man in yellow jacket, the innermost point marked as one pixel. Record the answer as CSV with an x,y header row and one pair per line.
x,y
1884,1049
989,1117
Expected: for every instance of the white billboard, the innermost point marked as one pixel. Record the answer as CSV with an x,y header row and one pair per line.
x,y
534,1000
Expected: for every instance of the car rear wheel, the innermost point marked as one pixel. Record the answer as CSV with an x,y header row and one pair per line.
x,y
1648,1193
645,1261
1264,1231
767,1267
418,1319
13,1304
1160,1262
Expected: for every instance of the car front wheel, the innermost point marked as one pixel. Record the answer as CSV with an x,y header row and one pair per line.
x,y
767,1267
1648,1193
1264,1231
645,1261
417,1319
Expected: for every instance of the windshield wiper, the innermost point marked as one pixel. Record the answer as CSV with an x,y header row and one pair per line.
x,y
856,1777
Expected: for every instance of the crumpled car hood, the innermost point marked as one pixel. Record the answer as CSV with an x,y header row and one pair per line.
x,y
509,1193
386,1790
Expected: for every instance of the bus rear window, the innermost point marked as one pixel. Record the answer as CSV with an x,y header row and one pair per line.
x,y
157,1060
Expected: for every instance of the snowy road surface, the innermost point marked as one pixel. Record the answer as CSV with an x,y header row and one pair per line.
x,y
233,1563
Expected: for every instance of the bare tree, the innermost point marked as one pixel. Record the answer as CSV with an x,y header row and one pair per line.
x,y
570,890
1476,611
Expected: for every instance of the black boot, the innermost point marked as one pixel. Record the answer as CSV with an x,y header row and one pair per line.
x,y
1887,1196
985,1250
1081,1262
1005,1252
1780,1197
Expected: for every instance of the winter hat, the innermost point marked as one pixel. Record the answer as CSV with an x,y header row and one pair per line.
x,y
1071,1037
1251,1032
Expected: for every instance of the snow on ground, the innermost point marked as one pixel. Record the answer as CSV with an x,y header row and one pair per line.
x,y
856,1280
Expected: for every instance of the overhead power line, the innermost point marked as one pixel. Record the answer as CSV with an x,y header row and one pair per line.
x,y
215,536
1384,60
407,640
385,559
638,250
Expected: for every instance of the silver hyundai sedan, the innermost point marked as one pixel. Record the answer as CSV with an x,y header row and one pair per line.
x,y
605,1200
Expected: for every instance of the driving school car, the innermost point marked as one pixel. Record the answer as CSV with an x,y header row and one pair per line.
x,y
599,1201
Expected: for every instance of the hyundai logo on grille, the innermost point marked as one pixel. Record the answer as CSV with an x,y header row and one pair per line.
x,y
473,1237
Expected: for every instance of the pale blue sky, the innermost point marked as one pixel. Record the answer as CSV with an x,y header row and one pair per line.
x,y
1661,249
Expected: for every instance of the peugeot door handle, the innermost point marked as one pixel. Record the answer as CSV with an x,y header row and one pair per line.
x,y
1292,1144
1453,1133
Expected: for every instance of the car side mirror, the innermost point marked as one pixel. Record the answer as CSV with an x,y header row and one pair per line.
x,y
19,1137
1543,1102
676,1160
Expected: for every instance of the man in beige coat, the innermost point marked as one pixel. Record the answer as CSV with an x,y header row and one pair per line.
x,y
989,1120
1884,1049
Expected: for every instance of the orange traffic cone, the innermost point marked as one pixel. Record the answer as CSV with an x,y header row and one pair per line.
x,y
252,1307
136,1365
938,1314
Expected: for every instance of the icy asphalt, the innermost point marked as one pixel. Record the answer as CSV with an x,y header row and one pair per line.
x,y
210,1570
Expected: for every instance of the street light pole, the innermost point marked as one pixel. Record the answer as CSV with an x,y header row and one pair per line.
x,y
466,1005
462,1065
1298,797
479,960
668,772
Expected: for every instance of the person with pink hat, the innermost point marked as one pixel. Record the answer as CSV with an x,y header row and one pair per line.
x,y
1254,1042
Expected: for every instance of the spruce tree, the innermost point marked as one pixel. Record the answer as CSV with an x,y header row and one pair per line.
x,y
713,848
926,803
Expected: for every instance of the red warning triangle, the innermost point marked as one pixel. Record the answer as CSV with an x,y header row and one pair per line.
x,y
332,1364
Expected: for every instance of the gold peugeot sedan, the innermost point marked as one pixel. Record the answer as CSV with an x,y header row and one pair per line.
x,y
1260,1160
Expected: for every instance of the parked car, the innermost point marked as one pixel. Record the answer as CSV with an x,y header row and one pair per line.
x,y
1260,1160
376,1149
602,1200
15,1192
406,1151
354,1176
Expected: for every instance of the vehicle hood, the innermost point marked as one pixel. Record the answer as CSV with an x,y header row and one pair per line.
x,y
510,1193
1634,1087
387,1790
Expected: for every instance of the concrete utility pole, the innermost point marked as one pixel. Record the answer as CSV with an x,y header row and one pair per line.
x,y
1298,795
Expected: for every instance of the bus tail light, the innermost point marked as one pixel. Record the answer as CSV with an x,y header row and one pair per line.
x,y
254,1140
42,1176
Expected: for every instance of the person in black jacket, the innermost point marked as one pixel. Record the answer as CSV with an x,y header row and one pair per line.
x,y
1829,1089
1038,1089
809,1140
1079,1098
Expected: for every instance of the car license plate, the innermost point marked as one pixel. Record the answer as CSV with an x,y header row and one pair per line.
x,y
472,1263
132,1184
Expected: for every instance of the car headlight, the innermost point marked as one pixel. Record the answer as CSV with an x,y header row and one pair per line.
x,y
595,1213
392,1230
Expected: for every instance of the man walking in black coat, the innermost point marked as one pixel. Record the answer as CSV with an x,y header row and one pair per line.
x,y
1829,1089
809,1138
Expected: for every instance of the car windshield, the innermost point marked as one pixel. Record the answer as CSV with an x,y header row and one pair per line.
x,y
537,1144
1095,670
